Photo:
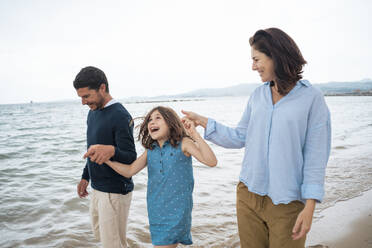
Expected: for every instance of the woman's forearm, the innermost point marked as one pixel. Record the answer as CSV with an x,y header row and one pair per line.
x,y
203,121
310,205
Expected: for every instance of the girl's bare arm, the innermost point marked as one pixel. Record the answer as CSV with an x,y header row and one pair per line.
x,y
197,148
129,170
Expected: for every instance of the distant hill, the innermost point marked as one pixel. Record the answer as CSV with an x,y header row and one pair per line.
x,y
336,88
363,87
236,90
331,88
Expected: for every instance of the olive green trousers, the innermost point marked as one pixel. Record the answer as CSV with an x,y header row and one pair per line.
x,y
262,224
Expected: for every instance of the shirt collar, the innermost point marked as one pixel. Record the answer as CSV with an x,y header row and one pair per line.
x,y
303,82
155,144
112,101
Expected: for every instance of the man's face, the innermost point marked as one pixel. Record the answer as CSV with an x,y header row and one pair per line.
x,y
93,98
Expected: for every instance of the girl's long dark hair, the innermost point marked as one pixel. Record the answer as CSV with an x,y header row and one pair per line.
x,y
284,52
176,130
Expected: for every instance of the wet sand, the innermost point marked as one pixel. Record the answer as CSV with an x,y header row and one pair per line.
x,y
348,224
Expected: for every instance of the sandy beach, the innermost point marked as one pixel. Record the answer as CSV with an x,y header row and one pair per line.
x,y
347,224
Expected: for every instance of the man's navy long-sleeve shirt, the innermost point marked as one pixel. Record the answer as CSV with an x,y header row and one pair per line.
x,y
110,126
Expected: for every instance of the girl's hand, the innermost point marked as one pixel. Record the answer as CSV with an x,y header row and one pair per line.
x,y
196,118
189,126
304,220
100,153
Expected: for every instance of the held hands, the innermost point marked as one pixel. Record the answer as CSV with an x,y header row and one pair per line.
x,y
196,118
190,127
100,153
196,146
304,220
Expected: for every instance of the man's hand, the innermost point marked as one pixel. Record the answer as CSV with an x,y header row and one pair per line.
x,y
82,188
100,153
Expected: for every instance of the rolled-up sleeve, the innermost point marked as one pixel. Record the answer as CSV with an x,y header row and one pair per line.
x,y
316,150
228,137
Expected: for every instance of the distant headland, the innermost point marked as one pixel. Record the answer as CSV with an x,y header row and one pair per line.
x,y
357,88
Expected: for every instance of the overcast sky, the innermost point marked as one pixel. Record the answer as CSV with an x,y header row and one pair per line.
x,y
155,47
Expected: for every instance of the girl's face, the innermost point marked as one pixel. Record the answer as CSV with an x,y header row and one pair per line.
x,y
157,127
263,64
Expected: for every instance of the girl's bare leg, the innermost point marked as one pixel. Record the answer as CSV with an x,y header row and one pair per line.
x,y
166,246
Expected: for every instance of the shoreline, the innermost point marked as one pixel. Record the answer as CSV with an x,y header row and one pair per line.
x,y
366,93
344,225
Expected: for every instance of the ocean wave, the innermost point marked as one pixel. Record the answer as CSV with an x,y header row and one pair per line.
x,y
9,155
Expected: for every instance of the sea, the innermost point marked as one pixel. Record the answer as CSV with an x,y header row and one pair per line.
x,y
41,162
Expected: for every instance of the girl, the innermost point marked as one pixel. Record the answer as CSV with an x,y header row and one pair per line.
x,y
170,174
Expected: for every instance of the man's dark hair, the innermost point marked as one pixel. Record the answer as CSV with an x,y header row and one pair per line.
x,y
90,77
284,52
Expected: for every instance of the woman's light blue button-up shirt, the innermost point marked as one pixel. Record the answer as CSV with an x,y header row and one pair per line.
x,y
287,145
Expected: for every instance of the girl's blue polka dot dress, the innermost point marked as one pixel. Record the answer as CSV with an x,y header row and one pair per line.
x,y
169,195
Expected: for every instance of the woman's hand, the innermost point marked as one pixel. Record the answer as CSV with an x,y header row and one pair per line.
x,y
196,118
304,220
190,127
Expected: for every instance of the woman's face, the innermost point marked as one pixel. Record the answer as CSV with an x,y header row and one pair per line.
x,y
263,64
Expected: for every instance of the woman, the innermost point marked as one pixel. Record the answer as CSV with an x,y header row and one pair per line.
x,y
286,132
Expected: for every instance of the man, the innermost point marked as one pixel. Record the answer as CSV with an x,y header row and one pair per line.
x,y
109,136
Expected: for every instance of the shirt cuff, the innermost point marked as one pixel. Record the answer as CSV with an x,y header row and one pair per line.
x,y
116,156
211,127
85,176
312,191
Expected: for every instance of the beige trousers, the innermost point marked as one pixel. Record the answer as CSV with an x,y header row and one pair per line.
x,y
109,216
262,224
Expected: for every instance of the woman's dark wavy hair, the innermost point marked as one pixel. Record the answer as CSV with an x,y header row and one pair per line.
x,y
284,52
176,130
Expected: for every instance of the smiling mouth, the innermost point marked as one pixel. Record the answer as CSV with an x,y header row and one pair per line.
x,y
154,129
